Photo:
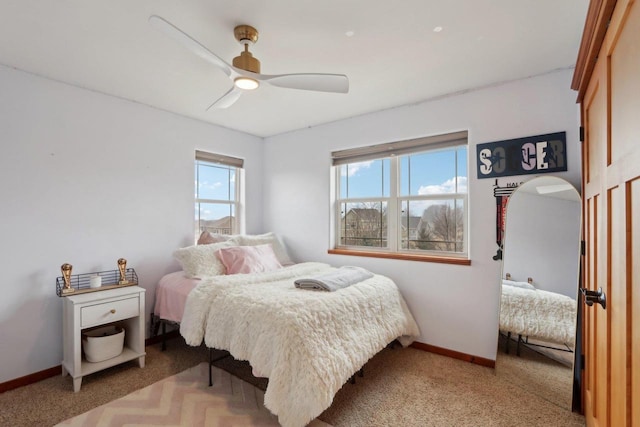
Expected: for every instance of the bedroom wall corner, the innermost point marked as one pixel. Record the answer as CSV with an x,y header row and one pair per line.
x,y
87,178
456,307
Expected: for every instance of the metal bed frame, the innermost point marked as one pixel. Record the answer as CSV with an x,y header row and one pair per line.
x,y
525,341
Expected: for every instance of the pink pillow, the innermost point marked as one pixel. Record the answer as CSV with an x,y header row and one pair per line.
x,y
249,259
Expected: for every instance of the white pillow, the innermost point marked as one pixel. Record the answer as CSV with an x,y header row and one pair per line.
x,y
263,239
523,285
200,260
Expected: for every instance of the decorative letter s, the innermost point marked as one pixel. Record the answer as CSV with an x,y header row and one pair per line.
x,y
485,159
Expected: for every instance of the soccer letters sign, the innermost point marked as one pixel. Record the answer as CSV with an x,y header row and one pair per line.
x,y
523,156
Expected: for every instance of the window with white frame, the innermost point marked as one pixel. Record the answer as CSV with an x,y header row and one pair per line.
x,y
404,197
217,193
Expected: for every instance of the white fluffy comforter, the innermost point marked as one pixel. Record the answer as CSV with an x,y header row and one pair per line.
x,y
308,343
538,314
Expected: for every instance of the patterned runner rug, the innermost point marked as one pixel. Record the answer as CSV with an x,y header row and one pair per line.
x,y
186,400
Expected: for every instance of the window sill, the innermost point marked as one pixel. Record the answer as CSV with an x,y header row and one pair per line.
x,y
401,256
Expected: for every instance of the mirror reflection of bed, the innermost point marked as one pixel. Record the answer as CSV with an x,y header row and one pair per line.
x,y
539,288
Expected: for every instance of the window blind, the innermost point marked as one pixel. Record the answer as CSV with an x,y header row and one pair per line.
x,y
219,158
408,146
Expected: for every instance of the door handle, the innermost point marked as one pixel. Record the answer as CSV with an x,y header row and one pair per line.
x,y
594,296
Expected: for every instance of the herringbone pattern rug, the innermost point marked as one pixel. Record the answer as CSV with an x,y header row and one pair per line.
x,y
186,399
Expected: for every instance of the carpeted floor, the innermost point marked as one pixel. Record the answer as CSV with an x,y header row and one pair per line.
x,y
415,388
401,387
536,373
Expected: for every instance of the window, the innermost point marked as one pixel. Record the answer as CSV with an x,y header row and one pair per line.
x,y
406,197
217,193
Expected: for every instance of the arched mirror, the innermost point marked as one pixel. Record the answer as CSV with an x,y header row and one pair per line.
x,y
539,289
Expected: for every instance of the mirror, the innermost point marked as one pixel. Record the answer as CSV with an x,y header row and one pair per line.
x,y
539,289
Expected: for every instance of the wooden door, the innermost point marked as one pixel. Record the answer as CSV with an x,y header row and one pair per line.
x,y
611,206
595,318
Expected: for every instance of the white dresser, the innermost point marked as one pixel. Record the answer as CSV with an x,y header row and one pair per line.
x,y
122,306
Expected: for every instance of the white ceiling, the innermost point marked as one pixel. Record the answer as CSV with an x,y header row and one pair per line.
x,y
393,58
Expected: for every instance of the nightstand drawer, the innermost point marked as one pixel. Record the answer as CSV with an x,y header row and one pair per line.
x,y
109,312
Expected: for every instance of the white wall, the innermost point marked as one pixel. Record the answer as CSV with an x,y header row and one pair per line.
x,y
455,306
86,179
542,241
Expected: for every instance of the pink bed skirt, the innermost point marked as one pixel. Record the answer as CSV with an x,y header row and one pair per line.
x,y
171,295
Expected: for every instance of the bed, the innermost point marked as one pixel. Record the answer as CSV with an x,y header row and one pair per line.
x,y
307,342
534,313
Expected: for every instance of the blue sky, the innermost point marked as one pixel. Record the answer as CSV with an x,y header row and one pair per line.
x,y
218,183
429,173
421,174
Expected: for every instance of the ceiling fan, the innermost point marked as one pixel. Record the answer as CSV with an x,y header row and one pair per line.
x,y
245,71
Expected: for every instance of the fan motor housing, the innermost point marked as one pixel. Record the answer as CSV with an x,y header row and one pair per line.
x,y
247,62
246,35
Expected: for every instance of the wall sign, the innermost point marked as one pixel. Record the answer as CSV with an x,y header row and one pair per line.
x,y
523,156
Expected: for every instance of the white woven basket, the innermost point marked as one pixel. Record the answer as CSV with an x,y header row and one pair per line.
x,y
103,343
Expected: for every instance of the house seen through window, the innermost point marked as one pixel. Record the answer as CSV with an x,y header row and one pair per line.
x,y
217,193
404,197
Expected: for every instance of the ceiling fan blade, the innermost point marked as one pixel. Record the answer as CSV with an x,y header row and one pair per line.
x,y
227,99
319,82
190,43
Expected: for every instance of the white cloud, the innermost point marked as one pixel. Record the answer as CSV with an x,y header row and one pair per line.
x,y
205,185
355,167
417,207
448,186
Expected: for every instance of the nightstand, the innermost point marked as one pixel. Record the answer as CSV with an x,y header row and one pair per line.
x,y
122,306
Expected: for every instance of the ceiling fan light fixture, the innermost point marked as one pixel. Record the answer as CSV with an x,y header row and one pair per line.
x,y
245,71
246,83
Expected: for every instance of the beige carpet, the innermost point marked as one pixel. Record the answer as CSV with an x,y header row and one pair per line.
x,y
186,400
401,387
409,387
